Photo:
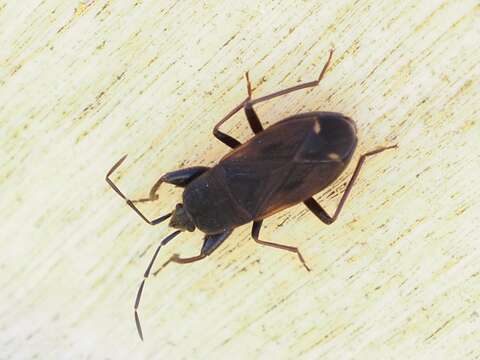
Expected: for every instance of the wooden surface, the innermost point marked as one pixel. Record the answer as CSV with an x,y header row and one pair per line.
x,y
83,83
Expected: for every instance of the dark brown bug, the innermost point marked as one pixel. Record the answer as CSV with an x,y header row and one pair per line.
x,y
279,167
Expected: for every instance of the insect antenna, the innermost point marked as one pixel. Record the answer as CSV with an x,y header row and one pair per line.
x,y
130,202
145,276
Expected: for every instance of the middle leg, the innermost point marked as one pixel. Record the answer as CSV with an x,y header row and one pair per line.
x,y
252,118
256,232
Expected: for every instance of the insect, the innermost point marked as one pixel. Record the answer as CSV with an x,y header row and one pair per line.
x,y
280,166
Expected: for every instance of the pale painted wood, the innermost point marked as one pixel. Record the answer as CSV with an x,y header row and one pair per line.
x,y
83,83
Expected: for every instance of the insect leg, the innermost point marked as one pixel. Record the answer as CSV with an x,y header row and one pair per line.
x,y
319,212
248,103
296,87
210,244
176,178
256,232
252,118
224,138
177,259
315,207
180,178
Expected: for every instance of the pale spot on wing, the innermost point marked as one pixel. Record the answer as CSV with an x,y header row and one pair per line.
x,y
316,127
333,156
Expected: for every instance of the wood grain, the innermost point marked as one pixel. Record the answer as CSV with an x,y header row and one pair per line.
x,y
83,83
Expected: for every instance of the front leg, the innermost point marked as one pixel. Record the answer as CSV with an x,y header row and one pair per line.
x,y
180,178
210,244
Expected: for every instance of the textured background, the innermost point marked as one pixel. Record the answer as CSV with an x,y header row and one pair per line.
x,y
83,83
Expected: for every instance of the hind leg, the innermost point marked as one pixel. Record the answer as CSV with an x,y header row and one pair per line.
x,y
317,209
250,113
